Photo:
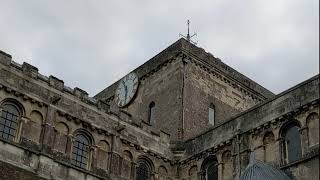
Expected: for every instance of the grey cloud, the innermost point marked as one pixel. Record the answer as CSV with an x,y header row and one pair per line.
x,y
91,44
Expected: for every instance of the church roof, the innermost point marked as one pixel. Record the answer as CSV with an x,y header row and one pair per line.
x,y
259,170
200,54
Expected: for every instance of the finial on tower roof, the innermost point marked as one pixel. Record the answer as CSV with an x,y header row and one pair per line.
x,y
188,36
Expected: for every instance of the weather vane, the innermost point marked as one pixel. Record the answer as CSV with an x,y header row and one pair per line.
x,y
188,37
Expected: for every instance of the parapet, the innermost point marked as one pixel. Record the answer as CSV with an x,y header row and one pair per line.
x,y
57,84
5,58
51,81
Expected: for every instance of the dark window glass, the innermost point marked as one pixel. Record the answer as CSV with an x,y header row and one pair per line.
x,y
292,144
143,171
80,151
151,118
212,171
9,121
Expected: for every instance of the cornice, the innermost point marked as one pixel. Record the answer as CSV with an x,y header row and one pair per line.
x,y
215,72
274,123
201,155
86,125
25,97
145,150
31,72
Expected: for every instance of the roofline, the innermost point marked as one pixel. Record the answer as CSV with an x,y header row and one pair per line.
x,y
199,54
154,62
257,106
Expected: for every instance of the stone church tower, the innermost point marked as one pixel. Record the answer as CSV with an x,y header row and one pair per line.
x,y
182,115
182,83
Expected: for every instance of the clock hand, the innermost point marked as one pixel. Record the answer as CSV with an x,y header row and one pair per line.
x,y
125,90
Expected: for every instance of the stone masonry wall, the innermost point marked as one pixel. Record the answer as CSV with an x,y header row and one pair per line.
x,y
182,86
259,129
202,88
52,116
164,89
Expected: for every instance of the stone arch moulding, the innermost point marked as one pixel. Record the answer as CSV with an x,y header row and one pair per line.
x,y
193,172
82,153
11,131
36,117
102,158
62,127
163,173
162,170
104,145
269,144
127,170
145,168
32,129
312,122
287,124
62,140
209,168
227,168
15,103
85,132
290,132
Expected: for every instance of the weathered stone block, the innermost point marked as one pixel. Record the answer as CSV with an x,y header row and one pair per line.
x,y
56,83
5,58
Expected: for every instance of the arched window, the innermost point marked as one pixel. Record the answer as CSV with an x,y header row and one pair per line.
x,y
151,114
9,120
211,114
210,168
144,169
81,150
291,142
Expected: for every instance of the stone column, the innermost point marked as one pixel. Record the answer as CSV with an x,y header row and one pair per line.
x,y
220,166
115,157
133,170
220,171
280,142
48,131
201,175
304,140
69,145
22,122
109,161
94,154
154,176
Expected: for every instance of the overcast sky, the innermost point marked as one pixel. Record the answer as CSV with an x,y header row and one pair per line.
x,y
91,44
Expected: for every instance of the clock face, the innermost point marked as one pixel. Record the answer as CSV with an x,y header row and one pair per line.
x,y
126,89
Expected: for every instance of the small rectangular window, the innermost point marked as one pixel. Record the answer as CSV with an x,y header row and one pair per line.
x,y
151,118
211,115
